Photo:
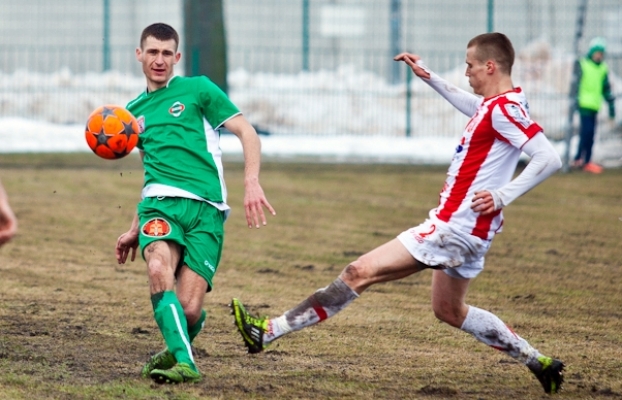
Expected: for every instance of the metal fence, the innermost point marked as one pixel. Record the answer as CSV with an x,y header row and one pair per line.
x,y
320,67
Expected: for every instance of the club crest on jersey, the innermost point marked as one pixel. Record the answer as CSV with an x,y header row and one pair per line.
x,y
517,114
141,123
156,227
176,109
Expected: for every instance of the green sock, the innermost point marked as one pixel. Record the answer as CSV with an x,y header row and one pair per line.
x,y
194,330
170,317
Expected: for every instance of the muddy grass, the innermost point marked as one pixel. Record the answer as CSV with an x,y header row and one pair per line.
x,y
75,325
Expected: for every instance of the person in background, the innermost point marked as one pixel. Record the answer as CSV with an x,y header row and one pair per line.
x,y
589,90
8,222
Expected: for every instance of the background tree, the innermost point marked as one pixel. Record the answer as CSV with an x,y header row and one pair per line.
x,y
205,44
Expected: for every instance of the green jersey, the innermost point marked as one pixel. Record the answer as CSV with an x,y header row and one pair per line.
x,y
592,84
180,141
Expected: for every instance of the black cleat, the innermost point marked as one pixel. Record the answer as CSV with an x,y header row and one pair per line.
x,y
550,375
250,328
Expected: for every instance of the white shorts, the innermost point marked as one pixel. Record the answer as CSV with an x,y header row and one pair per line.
x,y
436,245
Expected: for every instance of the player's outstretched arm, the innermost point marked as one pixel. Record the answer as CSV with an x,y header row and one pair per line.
x,y
254,197
464,101
8,222
414,62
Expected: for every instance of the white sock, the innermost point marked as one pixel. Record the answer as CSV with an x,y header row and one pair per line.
x,y
277,327
322,304
489,329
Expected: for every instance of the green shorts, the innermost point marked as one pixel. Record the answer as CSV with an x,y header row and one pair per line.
x,y
194,225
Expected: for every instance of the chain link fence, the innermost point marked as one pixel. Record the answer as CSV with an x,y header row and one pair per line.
x,y
302,67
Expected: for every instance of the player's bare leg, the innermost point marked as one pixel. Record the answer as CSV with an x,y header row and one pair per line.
x,y
191,289
388,262
448,303
161,278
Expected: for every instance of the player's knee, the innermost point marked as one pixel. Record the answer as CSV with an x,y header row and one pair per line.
x,y
156,269
357,273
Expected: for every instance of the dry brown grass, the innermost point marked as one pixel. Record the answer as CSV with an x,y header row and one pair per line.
x,y
75,325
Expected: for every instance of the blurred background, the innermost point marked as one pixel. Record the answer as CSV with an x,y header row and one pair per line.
x,y
302,67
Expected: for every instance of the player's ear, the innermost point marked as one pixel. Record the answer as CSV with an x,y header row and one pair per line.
x,y
139,54
490,66
177,57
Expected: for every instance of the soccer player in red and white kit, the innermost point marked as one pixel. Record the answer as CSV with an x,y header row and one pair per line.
x,y
457,234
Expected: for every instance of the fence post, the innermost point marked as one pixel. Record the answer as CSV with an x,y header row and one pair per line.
x,y
408,99
491,15
106,45
395,24
573,80
305,35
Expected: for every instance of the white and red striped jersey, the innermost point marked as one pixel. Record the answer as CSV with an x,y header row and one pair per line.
x,y
485,159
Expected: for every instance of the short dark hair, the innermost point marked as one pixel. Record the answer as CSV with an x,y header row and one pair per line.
x,y
495,46
160,31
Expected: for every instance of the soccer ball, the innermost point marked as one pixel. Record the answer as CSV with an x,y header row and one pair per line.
x,y
111,132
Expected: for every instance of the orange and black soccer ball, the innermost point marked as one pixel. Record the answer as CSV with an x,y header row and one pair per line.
x,y
111,132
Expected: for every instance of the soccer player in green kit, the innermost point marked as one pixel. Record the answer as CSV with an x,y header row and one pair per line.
x,y
179,221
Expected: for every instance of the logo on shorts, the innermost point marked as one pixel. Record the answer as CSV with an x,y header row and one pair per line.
x,y
156,227
176,109
209,265
420,236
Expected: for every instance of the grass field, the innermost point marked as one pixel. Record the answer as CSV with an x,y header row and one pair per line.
x,y
75,325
